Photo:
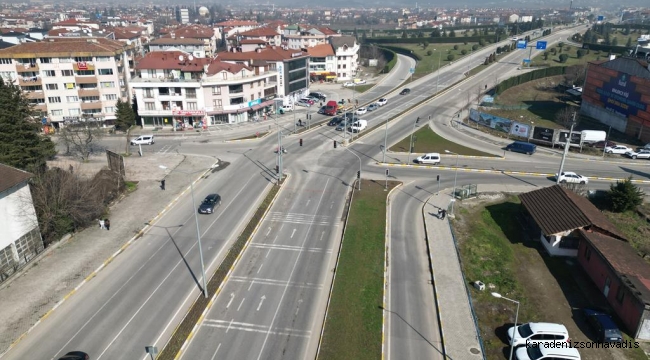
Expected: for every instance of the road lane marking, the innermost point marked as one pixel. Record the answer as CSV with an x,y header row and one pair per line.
x,y
298,307
308,200
251,285
234,325
293,232
281,227
276,237
321,235
228,329
293,269
261,281
258,270
215,352
268,232
261,302
267,253
232,297
290,247
240,304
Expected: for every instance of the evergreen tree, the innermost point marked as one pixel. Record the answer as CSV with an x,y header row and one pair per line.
x,y
629,42
21,145
125,119
624,195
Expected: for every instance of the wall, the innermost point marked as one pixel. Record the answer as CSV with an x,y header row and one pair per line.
x,y
17,214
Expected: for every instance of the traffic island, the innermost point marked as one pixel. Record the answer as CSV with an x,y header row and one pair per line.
x,y
186,329
425,140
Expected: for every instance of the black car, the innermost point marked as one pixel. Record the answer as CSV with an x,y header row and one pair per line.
x,y
209,203
75,355
322,110
318,95
603,325
405,91
335,121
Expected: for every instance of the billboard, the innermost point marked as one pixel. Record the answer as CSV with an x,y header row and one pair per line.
x,y
491,121
617,92
543,134
519,129
576,137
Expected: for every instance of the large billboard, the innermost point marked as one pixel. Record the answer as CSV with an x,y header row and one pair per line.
x,y
543,134
617,92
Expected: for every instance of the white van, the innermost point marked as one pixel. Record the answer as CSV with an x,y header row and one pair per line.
x,y
359,126
287,108
143,140
593,136
430,158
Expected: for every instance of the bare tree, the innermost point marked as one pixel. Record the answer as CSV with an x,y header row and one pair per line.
x,y
565,116
80,139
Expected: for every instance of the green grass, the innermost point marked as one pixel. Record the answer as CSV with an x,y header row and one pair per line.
x,y
254,136
635,228
363,88
426,141
429,63
354,318
131,186
572,51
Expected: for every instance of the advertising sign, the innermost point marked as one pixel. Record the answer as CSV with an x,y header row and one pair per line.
x,y
543,134
576,137
519,129
489,120
620,95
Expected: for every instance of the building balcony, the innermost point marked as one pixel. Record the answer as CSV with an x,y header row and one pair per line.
x,y
88,92
31,81
85,79
167,112
91,105
21,68
147,82
40,107
36,95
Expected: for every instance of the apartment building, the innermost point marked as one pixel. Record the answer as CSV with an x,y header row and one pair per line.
x,y
70,79
322,62
346,49
197,32
196,47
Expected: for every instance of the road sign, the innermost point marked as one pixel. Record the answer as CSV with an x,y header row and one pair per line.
x,y
526,61
521,44
541,45
601,18
412,70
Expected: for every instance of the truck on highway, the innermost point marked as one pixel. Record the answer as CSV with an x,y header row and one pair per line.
x,y
331,108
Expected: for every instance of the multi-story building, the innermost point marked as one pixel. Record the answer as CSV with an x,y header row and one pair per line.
x,y
70,79
322,62
307,37
197,32
196,47
346,49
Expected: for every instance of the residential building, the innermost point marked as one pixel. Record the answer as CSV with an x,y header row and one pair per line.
x,y
70,79
196,47
347,56
185,16
322,62
197,32
268,35
20,238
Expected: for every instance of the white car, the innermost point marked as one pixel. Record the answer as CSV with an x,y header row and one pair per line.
x,y
303,102
431,158
618,149
348,84
361,111
537,333
547,352
359,82
382,101
571,177
641,154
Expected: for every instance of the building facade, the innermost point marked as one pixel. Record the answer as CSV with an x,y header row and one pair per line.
x,y
69,79
346,49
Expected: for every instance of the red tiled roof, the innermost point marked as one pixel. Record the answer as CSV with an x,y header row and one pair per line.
x,y
170,60
273,53
327,31
556,209
253,41
218,66
192,31
321,50
66,45
10,177
263,31
237,23
170,41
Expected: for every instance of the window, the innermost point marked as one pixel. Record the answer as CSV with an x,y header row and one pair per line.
x,y
72,99
217,103
620,294
225,75
191,106
216,90
50,73
54,99
105,71
83,58
5,61
103,58
69,86
109,109
107,84
148,93
52,86
237,101
7,257
58,112
46,60
74,112
110,96
7,75
28,245
190,93
252,85
65,60
85,72
67,73
235,89
149,106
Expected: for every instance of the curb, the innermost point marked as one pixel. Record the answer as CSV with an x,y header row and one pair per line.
x,y
189,338
386,272
496,157
268,133
109,260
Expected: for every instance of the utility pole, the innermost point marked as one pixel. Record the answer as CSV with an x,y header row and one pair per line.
x,y
567,144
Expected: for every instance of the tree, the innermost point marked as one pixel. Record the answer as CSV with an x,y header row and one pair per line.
x,y
463,52
614,41
80,138
125,119
580,53
21,145
425,44
565,116
624,195
564,58
452,33
450,57
429,52
629,42
404,35
456,47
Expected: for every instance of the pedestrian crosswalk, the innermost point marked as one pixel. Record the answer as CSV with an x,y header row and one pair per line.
x,y
296,218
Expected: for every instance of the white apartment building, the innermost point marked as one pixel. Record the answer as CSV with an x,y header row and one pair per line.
x,y
346,49
70,79
322,62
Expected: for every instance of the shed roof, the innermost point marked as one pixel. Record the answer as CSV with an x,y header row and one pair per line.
x,y
10,177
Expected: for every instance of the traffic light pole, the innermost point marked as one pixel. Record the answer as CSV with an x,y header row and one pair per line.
x,y
359,173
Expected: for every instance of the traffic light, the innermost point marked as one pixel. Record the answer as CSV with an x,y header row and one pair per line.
x,y
358,174
300,142
277,169
335,144
438,178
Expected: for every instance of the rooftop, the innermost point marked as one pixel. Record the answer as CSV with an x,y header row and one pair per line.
x,y
10,177
273,53
262,31
64,45
321,50
171,60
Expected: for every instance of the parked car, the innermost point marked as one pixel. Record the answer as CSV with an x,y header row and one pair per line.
x,y
603,144
303,102
373,107
209,203
143,140
349,84
335,121
641,154
405,91
547,353
537,333
618,149
430,158
359,81
603,325
522,147
571,177
361,111
382,101
310,101
318,95
287,108
75,355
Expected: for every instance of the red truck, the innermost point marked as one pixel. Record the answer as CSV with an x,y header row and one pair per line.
x,y
331,107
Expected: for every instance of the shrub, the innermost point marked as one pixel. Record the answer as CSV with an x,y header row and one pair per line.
x,y
624,195
450,57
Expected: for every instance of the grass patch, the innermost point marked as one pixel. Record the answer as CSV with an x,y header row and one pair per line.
x,y
131,186
254,136
635,228
362,88
426,141
354,318
429,63
572,51
183,330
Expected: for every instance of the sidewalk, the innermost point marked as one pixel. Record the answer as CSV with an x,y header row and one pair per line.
x,y
459,330
35,290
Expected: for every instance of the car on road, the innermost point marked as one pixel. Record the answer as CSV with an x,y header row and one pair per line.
x,y
640,154
303,102
143,140
75,355
603,144
349,84
340,126
537,333
430,158
618,149
603,325
309,100
318,95
571,177
359,81
361,111
373,107
322,109
287,108
335,121
405,91
209,203
547,353
382,101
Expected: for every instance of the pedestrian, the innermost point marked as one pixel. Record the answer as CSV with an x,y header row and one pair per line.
x,y
162,184
444,212
101,223
107,224
439,212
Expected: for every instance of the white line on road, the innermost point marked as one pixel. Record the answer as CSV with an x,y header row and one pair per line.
x,y
240,304
273,242
268,232
261,281
256,328
251,285
215,352
298,307
293,232
321,235
267,253
258,270
308,200
281,227
231,320
261,302
232,297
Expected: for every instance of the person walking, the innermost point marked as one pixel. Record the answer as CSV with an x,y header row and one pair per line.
x,y
444,212
107,224
162,184
101,223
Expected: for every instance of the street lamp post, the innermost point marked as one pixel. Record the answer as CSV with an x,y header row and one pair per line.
x,y
196,220
411,141
512,339
453,196
385,141
567,144
346,148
